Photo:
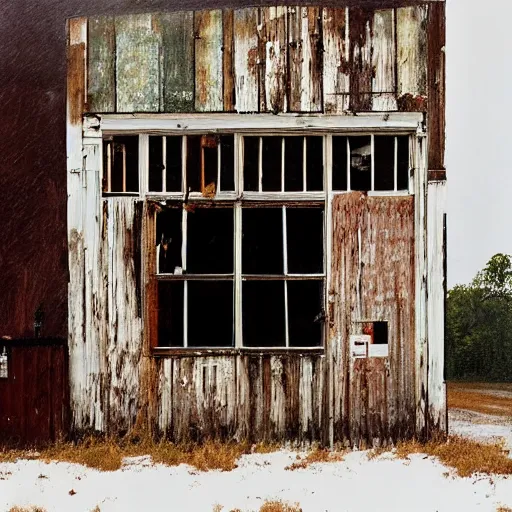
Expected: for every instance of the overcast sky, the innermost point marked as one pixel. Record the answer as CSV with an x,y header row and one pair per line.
x,y
479,145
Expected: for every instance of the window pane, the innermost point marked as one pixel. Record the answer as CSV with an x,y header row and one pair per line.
x,y
170,314
173,166
293,164
121,164
360,163
263,315
272,150
251,163
262,241
315,164
305,239
227,162
339,163
210,241
305,313
210,314
210,163
156,164
403,163
194,163
384,163
168,241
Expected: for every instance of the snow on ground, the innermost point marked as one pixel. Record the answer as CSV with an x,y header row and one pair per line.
x,y
356,484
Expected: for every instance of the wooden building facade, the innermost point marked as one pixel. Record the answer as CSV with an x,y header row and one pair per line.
x,y
256,224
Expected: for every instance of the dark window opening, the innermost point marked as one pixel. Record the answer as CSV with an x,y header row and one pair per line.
x,y
315,164
227,163
384,163
339,163
121,164
262,241
210,314
360,163
403,163
251,163
294,164
305,313
305,239
263,314
210,241
271,164
170,313
209,164
380,333
156,165
173,163
194,152
169,241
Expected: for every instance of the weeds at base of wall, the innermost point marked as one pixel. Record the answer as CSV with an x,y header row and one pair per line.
x,y
27,509
316,455
268,506
465,456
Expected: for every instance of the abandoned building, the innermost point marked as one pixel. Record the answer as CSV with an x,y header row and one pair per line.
x,y
256,226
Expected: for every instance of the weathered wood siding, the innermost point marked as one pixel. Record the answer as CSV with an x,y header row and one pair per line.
x,y
373,279
267,59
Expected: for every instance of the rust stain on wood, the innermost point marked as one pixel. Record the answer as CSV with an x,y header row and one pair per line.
x,y
228,60
209,63
273,56
305,59
336,67
436,84
246,58
76,83
361,69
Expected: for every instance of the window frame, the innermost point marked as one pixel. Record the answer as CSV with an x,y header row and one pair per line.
x,y
397,124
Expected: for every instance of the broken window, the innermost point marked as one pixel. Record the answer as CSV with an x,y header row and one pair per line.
x,y
370,163
283,164
240,239
120,164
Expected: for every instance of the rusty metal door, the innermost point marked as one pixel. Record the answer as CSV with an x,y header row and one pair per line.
x,y
372,296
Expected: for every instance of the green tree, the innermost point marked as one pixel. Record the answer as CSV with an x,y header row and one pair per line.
x,y
479,324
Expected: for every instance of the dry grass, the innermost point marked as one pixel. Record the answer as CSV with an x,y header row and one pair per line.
x,y
279,506
316,455
107,455
475,397
467,457
27,509
504,509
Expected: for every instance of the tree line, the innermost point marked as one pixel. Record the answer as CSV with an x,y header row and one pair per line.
x,y
479,325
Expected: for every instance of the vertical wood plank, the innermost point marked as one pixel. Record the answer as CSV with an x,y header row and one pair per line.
x,y
336,68
436,204
228,60
76,73
360,33
273,54
246,59
412,58
177,29
101,90
384,61
305,59
436,85
137,64
209,96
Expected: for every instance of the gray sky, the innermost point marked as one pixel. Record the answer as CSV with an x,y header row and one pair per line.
x,y
479,147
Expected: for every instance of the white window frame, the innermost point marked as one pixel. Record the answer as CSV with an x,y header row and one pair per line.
x,y
144,125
